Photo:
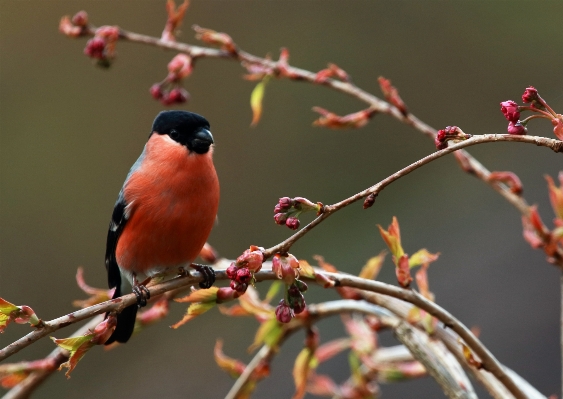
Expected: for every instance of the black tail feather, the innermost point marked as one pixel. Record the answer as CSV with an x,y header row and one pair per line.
x,y
125,322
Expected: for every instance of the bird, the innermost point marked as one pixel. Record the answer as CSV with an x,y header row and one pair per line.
x,y
164,212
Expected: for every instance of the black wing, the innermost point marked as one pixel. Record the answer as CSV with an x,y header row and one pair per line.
x,y
118,220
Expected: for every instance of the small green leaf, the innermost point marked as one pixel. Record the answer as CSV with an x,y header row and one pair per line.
x,y
256,100
193,311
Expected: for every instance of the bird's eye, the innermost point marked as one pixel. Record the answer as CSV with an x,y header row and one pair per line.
x,y
174,134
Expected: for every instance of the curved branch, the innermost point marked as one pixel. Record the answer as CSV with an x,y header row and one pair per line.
x,y
415,340
490,363
555,145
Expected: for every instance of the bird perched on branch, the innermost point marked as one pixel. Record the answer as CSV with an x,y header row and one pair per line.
x,y
164,212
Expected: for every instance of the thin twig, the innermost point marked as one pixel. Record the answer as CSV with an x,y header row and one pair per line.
x,y
555,145
473,166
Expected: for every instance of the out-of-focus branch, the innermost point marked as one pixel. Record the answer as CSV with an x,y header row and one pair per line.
x,y
489,381
24,389
416,341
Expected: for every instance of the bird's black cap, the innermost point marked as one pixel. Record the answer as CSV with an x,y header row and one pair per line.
x,y
186,128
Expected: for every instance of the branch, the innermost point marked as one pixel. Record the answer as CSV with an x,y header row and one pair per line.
x,y
555,145
490,363
59,356
472,165
493,386
416,341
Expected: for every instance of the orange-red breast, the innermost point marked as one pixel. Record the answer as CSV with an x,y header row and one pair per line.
x,y
164,212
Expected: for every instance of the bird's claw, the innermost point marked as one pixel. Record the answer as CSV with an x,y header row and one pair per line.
x,y
208,275
142,294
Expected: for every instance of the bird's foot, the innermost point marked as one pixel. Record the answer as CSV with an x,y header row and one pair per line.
x,y
143,295
208,275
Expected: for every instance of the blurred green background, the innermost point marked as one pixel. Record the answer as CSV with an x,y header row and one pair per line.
x,y
70,131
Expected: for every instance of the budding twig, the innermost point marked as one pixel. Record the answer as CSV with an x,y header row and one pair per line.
x,y
489,361
516,200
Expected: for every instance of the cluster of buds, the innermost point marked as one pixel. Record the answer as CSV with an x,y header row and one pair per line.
x,y
77,26
102,46
287,210
241,272
293,303
170,90
511,111
447,134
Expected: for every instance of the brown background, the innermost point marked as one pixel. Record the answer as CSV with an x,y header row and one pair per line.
x,y
70,132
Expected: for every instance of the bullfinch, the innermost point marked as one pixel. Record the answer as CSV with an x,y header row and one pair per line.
x,y
164,212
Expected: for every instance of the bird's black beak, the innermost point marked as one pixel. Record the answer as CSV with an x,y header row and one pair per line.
x,y
201,141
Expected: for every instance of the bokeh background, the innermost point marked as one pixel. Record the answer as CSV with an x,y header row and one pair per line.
x,y
70,131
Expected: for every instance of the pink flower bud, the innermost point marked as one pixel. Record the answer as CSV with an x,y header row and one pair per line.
x,y
440,145
510,110
530,94
178,95
232,271
284,313
280,218
156,91
165,99
285,203
516,128
238,287
243,276
180,67
80,18
95,48
110,33
278,209
251,258
285,268
292,223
